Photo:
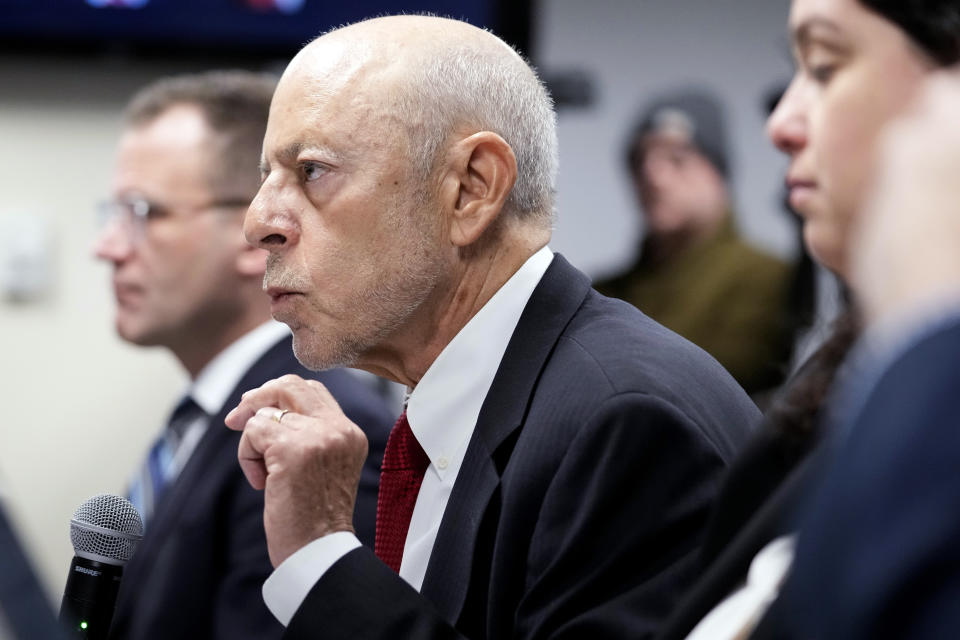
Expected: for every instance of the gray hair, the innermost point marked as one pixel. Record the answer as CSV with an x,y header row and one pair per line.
x,y
235,105
491,90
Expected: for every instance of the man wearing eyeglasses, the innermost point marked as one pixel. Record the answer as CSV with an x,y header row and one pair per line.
x,y
185,279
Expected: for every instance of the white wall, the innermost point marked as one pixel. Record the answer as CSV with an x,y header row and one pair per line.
x,y
80,407
635,49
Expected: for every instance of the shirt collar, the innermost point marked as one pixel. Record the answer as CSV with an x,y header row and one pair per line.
x,y
213,384
443,408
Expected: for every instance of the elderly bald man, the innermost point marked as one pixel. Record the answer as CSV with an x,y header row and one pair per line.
x,y
559,451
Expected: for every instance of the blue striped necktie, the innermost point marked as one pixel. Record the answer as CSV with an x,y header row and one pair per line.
x,y
157,471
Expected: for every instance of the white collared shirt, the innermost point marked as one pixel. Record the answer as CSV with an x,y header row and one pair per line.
x,y
219,377
737,615
442,411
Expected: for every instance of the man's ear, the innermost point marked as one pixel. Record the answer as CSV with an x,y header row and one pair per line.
x,y
480,173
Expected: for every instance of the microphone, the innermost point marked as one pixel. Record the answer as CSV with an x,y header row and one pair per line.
x,y
104,532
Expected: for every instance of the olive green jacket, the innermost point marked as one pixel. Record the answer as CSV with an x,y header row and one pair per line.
x,y
723,295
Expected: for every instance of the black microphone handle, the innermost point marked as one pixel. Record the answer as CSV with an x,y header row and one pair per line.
x,y
89,598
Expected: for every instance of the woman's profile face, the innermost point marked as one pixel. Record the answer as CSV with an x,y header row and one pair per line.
x,y
855,71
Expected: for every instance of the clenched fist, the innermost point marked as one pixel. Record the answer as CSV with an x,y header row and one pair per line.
x,y
306,455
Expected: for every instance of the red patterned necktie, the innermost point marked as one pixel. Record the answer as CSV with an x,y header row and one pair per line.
x,y
404,463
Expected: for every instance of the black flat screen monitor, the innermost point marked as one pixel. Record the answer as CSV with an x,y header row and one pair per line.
x,y
231,27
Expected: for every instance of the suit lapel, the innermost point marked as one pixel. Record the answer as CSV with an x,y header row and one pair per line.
x,y
553,303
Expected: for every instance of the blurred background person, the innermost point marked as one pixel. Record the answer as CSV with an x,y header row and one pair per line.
x,y
877,553
694,272
185,279
859,64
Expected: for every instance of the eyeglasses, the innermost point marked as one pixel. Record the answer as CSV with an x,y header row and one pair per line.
x,y
135,212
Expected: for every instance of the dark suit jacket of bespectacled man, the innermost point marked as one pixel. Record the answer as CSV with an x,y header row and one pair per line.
x,y
185,279
575,445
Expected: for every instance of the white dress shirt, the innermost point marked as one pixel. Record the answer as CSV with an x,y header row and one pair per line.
x,y
736,616
442,411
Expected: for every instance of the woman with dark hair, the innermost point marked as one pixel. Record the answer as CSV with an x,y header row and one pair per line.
x,y
860,63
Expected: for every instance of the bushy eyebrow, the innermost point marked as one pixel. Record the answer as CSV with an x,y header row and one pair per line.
x,y
288,154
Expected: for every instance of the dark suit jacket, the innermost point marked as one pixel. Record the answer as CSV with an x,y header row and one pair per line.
x,y
583,493
25,613
878,553
759,501
199,570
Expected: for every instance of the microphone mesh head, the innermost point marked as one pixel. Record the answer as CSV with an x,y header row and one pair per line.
x,y
106,528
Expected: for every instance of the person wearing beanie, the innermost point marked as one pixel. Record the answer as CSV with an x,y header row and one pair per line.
x,y
695,274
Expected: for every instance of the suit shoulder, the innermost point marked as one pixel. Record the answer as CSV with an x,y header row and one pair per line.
x,y
611,349
630,349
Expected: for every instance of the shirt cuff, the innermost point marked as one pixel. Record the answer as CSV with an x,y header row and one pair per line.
x,y
288,585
